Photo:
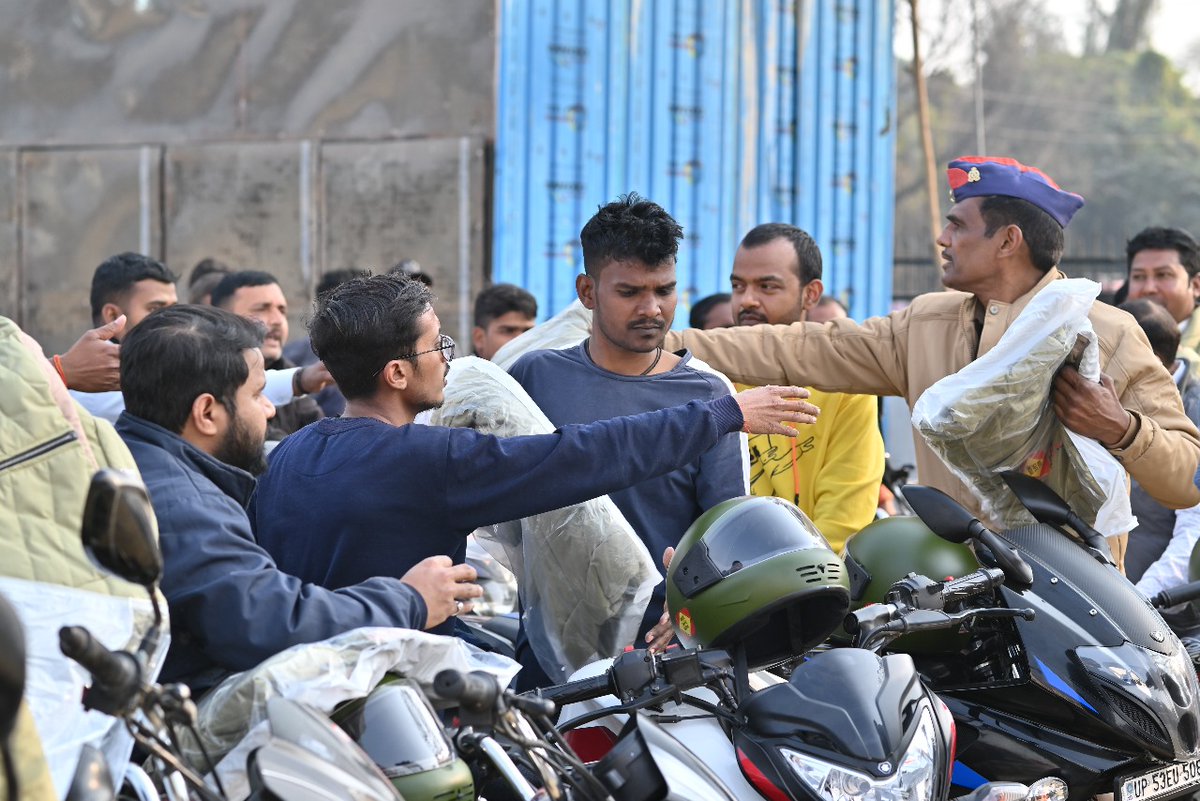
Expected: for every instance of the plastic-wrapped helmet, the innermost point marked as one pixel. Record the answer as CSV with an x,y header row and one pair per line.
x,y
756,572
886,551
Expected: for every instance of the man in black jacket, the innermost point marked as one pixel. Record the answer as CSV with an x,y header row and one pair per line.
x,y
194,421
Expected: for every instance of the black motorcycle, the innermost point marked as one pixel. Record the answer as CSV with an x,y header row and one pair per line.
x,y
1094,687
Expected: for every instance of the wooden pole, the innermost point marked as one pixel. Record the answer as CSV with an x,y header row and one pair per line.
x,y
931,183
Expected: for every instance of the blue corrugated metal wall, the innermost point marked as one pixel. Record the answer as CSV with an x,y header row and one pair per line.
x,y
727,113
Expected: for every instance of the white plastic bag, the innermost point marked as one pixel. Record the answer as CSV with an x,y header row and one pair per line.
x,y
232,717
584,576
54,684
996,414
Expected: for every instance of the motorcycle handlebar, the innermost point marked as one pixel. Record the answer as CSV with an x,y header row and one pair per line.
x,y
1173,596
479,692
972,584
116,675
578,690
475,691
107,667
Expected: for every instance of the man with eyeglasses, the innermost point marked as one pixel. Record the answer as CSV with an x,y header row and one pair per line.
x,y
371,494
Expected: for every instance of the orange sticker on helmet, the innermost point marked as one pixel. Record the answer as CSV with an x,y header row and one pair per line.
x,y
684,622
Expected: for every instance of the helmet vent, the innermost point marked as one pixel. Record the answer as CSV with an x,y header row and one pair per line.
x,y
820,572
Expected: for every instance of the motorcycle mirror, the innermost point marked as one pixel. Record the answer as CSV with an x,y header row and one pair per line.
x,y
118,534
944,516
1048,507
12,668
1042,502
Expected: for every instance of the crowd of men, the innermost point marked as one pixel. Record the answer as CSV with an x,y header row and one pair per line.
x,y
357,517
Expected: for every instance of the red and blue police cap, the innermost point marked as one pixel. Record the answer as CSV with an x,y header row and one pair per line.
x,y
982,176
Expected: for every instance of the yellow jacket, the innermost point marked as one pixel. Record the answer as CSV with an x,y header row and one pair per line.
x,y
908,351
831,470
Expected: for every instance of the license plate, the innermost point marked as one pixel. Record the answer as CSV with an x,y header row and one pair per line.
x,y
1161,782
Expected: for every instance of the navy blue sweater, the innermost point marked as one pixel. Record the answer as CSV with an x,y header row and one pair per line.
x,y
570,388
347,499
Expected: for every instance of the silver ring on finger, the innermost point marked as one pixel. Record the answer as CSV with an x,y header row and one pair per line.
x,y
458,607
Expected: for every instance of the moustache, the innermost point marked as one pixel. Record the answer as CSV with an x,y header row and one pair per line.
x,y
746,317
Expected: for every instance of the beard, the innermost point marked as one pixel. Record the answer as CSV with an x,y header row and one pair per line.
x,y
638,336
242,449
434,398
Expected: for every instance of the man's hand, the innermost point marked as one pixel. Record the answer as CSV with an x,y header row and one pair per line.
x,y
313,378
446,587
765,409
93,364
1088,408
659,637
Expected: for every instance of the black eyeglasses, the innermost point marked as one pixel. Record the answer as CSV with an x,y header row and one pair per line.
x,y
445,345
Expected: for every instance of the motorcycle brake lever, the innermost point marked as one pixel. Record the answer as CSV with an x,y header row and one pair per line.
x,y
969,614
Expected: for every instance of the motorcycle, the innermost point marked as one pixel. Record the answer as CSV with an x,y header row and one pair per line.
x,y
847,724
1094,686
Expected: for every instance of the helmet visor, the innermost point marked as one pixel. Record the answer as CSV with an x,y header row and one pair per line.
x,y
752,533
743,536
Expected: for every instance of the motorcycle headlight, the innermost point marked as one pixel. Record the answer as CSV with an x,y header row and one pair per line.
x,y
1151,694
912,780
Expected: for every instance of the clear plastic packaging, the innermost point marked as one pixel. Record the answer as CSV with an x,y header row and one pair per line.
x,y
997,414
584,576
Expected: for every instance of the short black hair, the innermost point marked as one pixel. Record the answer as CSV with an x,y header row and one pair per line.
x,y
181,352
630,227
702,307
500,299
207,266
808,255
1160,328
117,274
235,281
1156,238
361,325
335,278
1042,233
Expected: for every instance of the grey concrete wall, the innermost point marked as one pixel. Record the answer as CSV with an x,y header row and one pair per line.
x,y
295,136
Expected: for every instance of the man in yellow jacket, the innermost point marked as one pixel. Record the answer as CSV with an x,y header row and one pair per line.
x,y
1001,245
832,471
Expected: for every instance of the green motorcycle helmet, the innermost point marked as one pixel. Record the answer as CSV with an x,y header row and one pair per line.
x,y
755,572
397,728
886,551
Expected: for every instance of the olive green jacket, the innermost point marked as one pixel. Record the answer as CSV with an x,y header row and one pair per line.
x,y
49,449
908,351
1191,335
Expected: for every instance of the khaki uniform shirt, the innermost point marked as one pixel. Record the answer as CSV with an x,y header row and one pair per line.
x,y
907,351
